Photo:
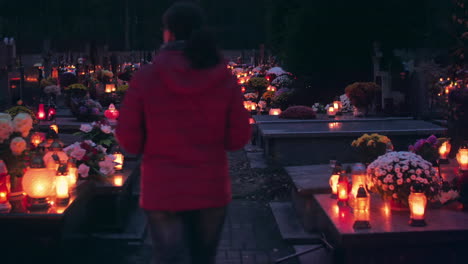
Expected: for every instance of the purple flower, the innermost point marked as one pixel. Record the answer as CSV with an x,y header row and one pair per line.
x,y
95,111
281,91
411,148
83,110
419,144
432,139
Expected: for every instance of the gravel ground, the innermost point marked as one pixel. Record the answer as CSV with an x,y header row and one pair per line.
x,y
265,185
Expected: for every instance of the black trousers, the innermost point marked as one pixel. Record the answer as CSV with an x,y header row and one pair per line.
x,y
189,237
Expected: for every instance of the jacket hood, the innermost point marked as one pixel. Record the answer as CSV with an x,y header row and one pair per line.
x,y
177,75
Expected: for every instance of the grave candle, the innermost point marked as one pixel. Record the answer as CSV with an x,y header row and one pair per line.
x,y
331,111
118,180
337,105
334,184
417,203
275,111
444,150
55,128
359,178
109,87
342,190
36,139
361,209
61,187
462,158
41,115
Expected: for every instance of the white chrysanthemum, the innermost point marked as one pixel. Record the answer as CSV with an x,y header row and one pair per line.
x,y
86,128
277,71
6,128
17,146
23,123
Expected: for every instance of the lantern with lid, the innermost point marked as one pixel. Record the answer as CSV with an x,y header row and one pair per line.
x,y
359,178
5,205
41,114
462,158
342,190
72,175
55,156
37,138
55,128
331,111
338,106
274,111
38,183
61,186
111,113
417,204
110,87
361,209
444,150
334,180
119,159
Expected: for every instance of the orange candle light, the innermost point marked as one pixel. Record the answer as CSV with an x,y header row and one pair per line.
x,y
417,203
361,209
61,187
110,87
37,139
337,106
444,150
331,111
119,160
3,194
118,180
41,115
342,190
462,158
334,184
275,111
55,128
359,178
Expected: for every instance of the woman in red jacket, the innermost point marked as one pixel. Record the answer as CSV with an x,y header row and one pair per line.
x,y
183,113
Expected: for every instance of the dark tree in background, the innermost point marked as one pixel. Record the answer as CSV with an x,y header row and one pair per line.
x,y
331,42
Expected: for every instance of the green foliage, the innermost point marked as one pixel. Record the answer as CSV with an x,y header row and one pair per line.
x,y
13,111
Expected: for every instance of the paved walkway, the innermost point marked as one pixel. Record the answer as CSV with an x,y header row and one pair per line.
x,y
250,236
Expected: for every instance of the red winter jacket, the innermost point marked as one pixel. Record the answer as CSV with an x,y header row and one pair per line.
x,y
183,121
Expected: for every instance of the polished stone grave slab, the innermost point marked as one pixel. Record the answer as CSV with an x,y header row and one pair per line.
x,y
322,118
314,143
391,237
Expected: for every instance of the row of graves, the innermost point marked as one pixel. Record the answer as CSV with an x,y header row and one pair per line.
x,y
64,181
366,188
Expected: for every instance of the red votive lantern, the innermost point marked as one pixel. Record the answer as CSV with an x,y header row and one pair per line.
x,y
41,114
342,190
112,113
417,204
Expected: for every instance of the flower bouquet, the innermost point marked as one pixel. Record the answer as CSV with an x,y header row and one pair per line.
x,y
346,104
428,148
86,109
393,174
258,84
362,94
14,149
282,81
91,160
319,108
99,132
370,147
298,112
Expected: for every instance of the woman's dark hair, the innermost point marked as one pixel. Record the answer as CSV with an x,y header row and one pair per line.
x,y
187,22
